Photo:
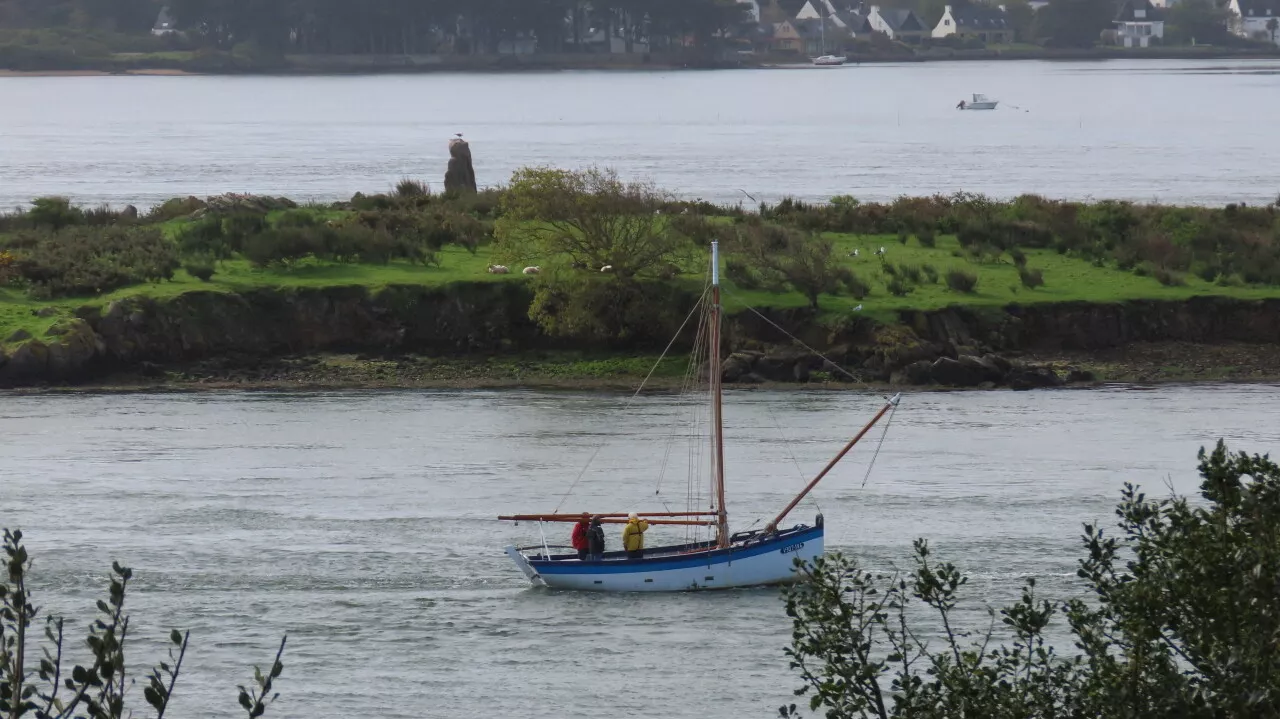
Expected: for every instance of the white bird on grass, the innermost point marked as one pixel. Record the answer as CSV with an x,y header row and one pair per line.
x,y
858,308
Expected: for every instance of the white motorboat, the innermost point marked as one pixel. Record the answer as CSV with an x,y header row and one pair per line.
x,y
980,102
830,60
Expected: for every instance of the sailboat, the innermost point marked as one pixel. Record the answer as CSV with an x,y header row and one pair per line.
x,y
827,60
724,559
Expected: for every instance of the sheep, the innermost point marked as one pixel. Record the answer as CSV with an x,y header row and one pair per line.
x,y
532,270
607,268
498,269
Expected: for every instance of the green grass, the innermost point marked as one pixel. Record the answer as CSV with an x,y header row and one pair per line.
x,y
1066,279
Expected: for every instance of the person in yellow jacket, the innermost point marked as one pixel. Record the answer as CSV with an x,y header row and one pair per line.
x,y
633,536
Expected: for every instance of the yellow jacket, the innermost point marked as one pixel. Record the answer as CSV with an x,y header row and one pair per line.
x,y
633,535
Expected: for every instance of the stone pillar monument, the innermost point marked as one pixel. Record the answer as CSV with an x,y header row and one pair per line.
x,y
461,176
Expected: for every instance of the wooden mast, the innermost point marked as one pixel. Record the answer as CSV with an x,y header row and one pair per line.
x,y
717,461
772,526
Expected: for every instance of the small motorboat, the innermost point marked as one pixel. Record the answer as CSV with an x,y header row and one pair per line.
x,y
980,102
829,60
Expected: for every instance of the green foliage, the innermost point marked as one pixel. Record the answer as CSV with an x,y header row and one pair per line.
x,y
54,213
98,689
589,218
1030,278
927,237
776,258
84,260
408,187
200,268
1201,20
962,281
600,308
1180,621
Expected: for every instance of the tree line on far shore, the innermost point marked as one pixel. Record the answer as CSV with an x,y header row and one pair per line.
x,y
396,26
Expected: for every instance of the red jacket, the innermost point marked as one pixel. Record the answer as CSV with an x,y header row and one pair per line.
x,y
579,538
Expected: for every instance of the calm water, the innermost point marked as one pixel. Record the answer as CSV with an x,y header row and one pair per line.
x,y
361,524
1172,131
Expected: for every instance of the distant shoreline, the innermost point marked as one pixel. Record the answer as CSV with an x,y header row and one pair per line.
x,y
335,65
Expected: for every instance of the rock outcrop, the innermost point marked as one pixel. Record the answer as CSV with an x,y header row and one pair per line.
x,y
460,175
950,348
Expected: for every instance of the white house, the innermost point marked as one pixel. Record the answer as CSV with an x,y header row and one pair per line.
x,y
816,10
164,23
1137,23
1256,19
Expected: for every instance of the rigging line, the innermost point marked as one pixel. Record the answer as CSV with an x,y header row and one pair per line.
x,y
632,399
787,443
800,342
888,421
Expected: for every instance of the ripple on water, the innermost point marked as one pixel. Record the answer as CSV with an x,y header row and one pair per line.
x,y
361,524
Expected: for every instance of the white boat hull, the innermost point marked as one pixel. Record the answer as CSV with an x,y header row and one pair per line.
x,y
981,105
753,563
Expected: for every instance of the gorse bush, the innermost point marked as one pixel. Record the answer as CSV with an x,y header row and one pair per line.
x,y
962,281
91,260
1030,278
100,688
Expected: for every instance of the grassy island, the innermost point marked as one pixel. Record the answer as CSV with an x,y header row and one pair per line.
x,y
841,273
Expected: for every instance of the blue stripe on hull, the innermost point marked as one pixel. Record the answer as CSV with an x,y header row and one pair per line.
x,y
659,564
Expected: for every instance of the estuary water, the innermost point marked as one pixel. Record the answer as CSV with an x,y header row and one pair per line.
x,y
362,524
1173,131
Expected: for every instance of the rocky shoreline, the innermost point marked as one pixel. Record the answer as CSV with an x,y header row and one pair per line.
x,y
479,334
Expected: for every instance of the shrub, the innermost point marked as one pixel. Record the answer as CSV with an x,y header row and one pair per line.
x,y
903,236
203,237
175,208
93,260
1168,277
856,286
1031,279
200,268
54,213
282,245
930,273
899,287
412,188
962,281
927,236
1018,256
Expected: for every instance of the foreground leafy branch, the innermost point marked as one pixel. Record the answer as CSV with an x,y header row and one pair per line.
x,y
99,689
1183,622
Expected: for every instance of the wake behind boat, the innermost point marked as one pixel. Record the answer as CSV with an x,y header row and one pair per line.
x,y
711,557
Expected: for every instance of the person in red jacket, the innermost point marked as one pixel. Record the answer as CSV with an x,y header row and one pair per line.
x,y
579,537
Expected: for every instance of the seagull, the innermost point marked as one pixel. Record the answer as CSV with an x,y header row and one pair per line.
x,y
855,252
858,308
457,134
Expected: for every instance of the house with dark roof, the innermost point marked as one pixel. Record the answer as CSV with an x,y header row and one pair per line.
x,y
1256,19
820,37
1138,23
976,22
898,23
